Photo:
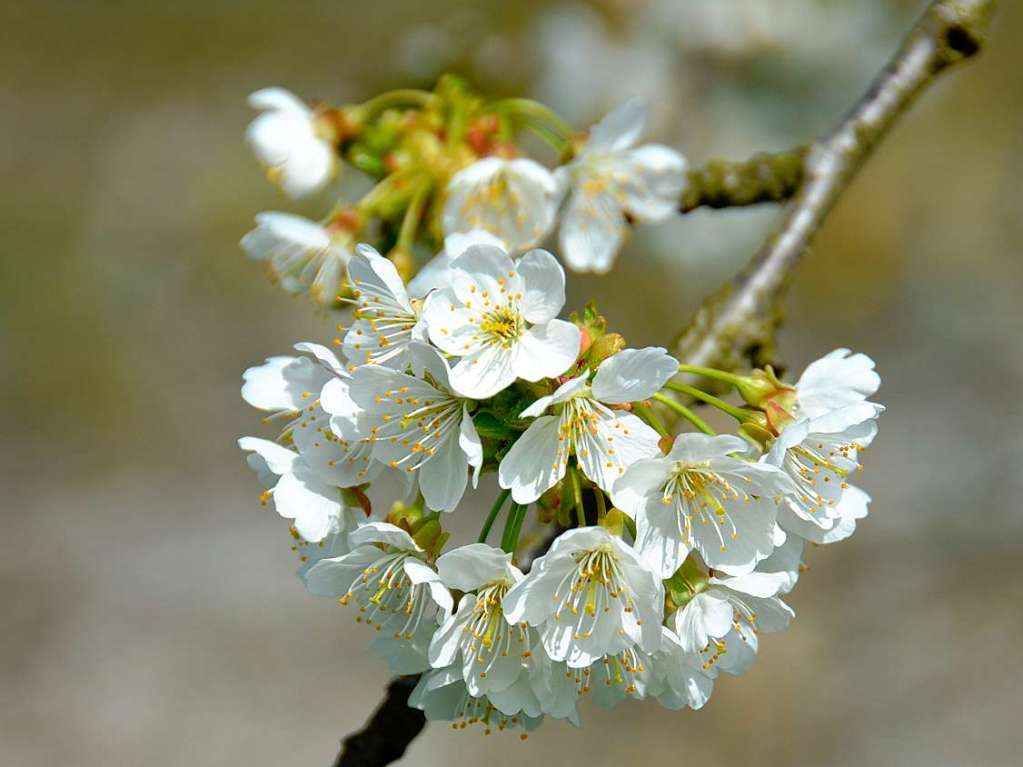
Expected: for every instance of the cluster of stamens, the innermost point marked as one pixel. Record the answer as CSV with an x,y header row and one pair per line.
x,y
591,590
382,326
697,493
420,425
488,636
579,432
820,470
387,597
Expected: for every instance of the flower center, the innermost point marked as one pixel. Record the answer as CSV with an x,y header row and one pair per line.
x,y
502,325
697,492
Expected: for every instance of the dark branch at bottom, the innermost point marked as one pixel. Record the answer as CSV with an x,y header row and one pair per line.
x,y
388,732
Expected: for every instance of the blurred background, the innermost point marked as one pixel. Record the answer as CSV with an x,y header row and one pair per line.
x,y
150,611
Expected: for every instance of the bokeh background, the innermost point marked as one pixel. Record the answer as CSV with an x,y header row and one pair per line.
x,y
150,612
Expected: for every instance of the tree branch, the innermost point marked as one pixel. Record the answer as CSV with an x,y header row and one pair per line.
x,y
762,178
388,732
739,321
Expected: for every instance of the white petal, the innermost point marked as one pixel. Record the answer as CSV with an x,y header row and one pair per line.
x,y
278,99
533,465
369,271
443,477
592,230
283,383
632,375
334,576
641,479
620,128
383,532
304,498
706,616
620,440
449,324
835,381
563,393
476,564
694,448
469,442
654,177
544,286
546,351
658,541
325,356
446,643
484,373
277,459
336,400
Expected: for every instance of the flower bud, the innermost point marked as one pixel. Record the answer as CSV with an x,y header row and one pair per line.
x,y
758,428
606,346
431,537
686,582
614,522
406,517
763,385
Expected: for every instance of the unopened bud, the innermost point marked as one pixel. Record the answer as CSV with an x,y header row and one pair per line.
x,y
431,537
406,517
761,386
614,521
758,428
606,346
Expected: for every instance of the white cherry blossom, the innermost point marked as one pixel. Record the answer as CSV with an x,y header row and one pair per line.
x,y
286,140
396,591
303,256
491,652
699,497
610,178
499,320
604,440
416,424
514,200
819,455
311,395
589,596
386,320
721,622
298,491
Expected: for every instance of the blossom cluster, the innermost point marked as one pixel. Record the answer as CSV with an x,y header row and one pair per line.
x,y
448,164
669,551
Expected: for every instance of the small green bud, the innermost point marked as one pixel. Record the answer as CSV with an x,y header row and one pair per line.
x,y
431,537
758,428
606,346
406,517
614,522
763,385
686,582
